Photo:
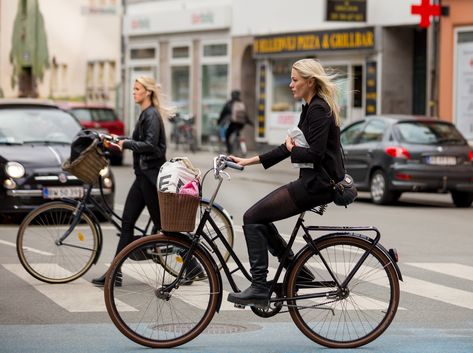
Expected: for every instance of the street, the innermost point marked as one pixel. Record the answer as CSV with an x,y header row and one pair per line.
x,y
434,240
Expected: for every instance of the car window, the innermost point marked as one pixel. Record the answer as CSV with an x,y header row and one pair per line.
x,y
373,131
103,115
82,114
23,125
428,133
351,134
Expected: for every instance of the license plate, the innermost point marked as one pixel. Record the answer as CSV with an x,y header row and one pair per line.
x,y
58,192
441,160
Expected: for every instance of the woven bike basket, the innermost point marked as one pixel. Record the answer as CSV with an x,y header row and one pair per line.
x,y
88,165
177,211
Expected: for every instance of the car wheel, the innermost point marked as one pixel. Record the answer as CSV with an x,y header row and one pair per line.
x,y
462,199
380,194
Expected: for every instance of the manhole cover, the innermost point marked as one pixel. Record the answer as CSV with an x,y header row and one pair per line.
x,y
212,329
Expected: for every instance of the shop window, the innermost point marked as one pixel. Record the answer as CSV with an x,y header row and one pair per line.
x,y
180,52
214,95
282,99
215,50
357,73
142,53
180,83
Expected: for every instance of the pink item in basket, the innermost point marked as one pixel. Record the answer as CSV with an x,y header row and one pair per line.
x,y
191,188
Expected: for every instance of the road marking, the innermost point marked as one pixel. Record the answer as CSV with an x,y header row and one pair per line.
x,y
27,248
77,297
446,268
198,291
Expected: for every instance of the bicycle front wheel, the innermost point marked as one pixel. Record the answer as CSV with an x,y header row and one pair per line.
x,y
355,315
225,225
48,261
152,307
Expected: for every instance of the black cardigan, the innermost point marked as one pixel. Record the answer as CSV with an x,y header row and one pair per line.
x,y
323,136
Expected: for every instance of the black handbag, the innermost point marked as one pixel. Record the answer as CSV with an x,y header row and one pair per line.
x,y
345,190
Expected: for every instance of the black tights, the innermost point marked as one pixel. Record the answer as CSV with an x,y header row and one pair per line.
x,y
275,206
142,193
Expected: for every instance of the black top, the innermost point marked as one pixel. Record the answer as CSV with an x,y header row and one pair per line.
x,y
148,144
323,136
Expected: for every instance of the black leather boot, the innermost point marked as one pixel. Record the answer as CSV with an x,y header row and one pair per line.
x,y
193,272
257,244
277,245
100,281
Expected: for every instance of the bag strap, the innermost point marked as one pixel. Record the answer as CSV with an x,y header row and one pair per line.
x,y
343,165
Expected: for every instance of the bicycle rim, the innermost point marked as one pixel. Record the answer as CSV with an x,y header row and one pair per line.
x,y
42,257
143,310
361,314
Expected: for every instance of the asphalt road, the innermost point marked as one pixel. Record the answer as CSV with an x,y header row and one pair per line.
x,y
434,240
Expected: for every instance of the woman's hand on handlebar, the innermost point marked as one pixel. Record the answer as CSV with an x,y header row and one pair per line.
x,y
245,161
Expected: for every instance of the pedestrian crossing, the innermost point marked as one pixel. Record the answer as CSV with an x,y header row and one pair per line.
x,y
81,296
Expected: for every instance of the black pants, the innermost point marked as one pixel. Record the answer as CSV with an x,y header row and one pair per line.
x,y
142,193
232,128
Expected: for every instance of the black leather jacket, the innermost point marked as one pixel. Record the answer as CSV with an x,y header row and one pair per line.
x,y
148,143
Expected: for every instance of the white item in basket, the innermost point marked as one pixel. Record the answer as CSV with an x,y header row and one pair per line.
x,y
176,173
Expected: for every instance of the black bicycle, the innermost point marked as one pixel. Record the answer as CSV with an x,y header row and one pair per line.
x,y
351,300
59,241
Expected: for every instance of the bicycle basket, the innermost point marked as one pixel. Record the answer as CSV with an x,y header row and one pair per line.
x,y
177,211
88,165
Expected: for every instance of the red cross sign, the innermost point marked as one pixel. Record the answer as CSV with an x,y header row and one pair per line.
x,y
425,10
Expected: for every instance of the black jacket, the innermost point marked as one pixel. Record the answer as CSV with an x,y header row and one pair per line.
x,y
148,144
323,137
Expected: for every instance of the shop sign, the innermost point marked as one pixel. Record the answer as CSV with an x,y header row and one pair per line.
x,y
464,84
343,39
346,10
371,88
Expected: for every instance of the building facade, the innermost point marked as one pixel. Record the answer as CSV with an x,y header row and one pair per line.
x,y
202,49
456,65
83,38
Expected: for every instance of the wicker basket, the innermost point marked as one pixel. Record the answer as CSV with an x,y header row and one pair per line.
x,y
177,211
88,165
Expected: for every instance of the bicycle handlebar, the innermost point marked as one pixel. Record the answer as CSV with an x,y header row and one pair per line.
x,y
222,161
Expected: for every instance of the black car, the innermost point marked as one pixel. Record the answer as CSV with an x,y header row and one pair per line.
x,y
35,139
391,154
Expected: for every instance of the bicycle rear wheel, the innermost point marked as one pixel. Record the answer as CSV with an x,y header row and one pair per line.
x,y
151,307
56,263
359,314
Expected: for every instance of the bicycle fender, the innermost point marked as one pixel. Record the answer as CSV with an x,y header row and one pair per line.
x,y
96,225
347,234
185,237
219,207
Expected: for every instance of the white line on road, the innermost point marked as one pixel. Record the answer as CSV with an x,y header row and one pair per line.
x,y
77,296
27,248
450,269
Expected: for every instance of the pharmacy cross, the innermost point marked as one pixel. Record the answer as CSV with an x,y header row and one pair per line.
x,y
425,10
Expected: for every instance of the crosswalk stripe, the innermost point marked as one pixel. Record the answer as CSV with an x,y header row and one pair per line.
x,y
199,301
446,268
76,296
26,248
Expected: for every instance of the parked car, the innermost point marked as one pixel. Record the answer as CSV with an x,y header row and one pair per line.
x,y
35,139
101,118
391,154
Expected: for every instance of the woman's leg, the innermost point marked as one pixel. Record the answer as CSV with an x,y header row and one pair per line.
x,y
134,205
150,194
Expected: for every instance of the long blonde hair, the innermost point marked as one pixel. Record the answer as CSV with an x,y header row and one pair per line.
x,y
157,98
325,87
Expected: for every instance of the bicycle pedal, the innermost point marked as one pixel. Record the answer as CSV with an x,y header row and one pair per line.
x,y
239,306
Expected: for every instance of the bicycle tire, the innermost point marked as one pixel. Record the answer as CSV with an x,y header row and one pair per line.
x,y
38,252
358,316
140,308
225,225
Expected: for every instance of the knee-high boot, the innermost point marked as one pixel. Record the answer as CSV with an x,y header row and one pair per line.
x,y
256,242
277,245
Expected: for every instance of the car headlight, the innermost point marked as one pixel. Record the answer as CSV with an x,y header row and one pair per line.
x,y
14,170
